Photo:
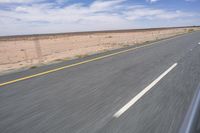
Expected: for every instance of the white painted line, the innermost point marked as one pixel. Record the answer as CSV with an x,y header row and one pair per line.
x,y
145,90
199,43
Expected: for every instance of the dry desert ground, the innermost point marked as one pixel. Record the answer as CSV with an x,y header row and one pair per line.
x,y
26,51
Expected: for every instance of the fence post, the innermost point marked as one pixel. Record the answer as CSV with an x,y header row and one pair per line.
x,y
38,50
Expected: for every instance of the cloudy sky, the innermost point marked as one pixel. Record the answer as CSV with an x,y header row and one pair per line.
x,y
52,16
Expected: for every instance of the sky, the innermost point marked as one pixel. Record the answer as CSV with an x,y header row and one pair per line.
x,y
19,17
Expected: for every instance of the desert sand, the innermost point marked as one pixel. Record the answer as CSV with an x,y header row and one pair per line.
x,y
27,51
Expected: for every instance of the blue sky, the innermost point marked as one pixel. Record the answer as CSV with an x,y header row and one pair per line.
x,y
19,17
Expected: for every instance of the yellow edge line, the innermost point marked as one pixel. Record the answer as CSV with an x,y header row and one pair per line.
x,y
68,66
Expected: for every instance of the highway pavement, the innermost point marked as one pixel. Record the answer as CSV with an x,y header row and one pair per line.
x,y
143,90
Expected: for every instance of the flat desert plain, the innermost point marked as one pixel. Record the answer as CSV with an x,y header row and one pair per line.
x,y
27,51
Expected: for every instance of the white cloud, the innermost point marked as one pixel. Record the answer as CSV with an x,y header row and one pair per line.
x,y
28,1
152,1
105,5
155,14
16,1
99,15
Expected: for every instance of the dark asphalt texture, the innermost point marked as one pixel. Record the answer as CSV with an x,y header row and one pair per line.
x,y
83,99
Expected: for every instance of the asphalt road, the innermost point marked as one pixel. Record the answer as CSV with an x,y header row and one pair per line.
x,y
86,98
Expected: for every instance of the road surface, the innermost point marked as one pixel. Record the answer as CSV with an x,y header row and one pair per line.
x,y
142,90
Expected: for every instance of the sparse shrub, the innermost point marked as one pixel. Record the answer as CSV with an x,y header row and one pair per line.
x,y
58,60
147,41
190,30
81,56
126,45
33,67
66,58
109,37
